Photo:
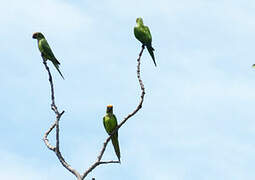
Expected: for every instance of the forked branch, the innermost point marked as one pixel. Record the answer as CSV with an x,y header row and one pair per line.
x,y
98,161
54,108
56,148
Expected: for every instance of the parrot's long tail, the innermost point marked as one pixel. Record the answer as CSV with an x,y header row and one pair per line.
x,y
115,144
150,49
56,64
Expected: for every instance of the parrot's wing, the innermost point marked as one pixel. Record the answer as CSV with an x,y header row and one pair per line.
x,y
140,34
137,33
115,120
47,50
115,123
148,33
115,141
148,41
104,123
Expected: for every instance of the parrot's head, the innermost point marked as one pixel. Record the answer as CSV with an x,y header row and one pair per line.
x,y
109,109
139,20
37,35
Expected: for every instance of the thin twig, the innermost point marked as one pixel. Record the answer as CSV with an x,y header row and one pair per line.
x,y
98,161
93,166
45,137
56,124
53,106
58,116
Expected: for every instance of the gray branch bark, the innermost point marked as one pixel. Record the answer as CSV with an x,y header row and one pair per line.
x,y
56,149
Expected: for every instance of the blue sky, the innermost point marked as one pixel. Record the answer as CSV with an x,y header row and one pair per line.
x,y
197,119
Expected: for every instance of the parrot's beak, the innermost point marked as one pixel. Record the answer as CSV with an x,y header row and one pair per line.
x,y
34,36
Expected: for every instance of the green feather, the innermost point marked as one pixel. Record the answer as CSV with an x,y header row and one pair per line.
x,y
115,143
46,51
142,33
150,49
110,123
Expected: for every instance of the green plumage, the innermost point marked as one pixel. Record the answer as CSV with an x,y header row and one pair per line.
x,y
110,123
46,51
142,33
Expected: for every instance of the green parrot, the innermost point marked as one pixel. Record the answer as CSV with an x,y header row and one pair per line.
x,y
110,123
46,51
142,33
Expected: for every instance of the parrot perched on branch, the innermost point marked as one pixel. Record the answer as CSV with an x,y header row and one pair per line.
x,y
142,33
110,123
46,51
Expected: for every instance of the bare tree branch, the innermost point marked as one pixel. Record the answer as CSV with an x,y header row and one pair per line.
x,y
56,124
56,148
98,161
45,137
